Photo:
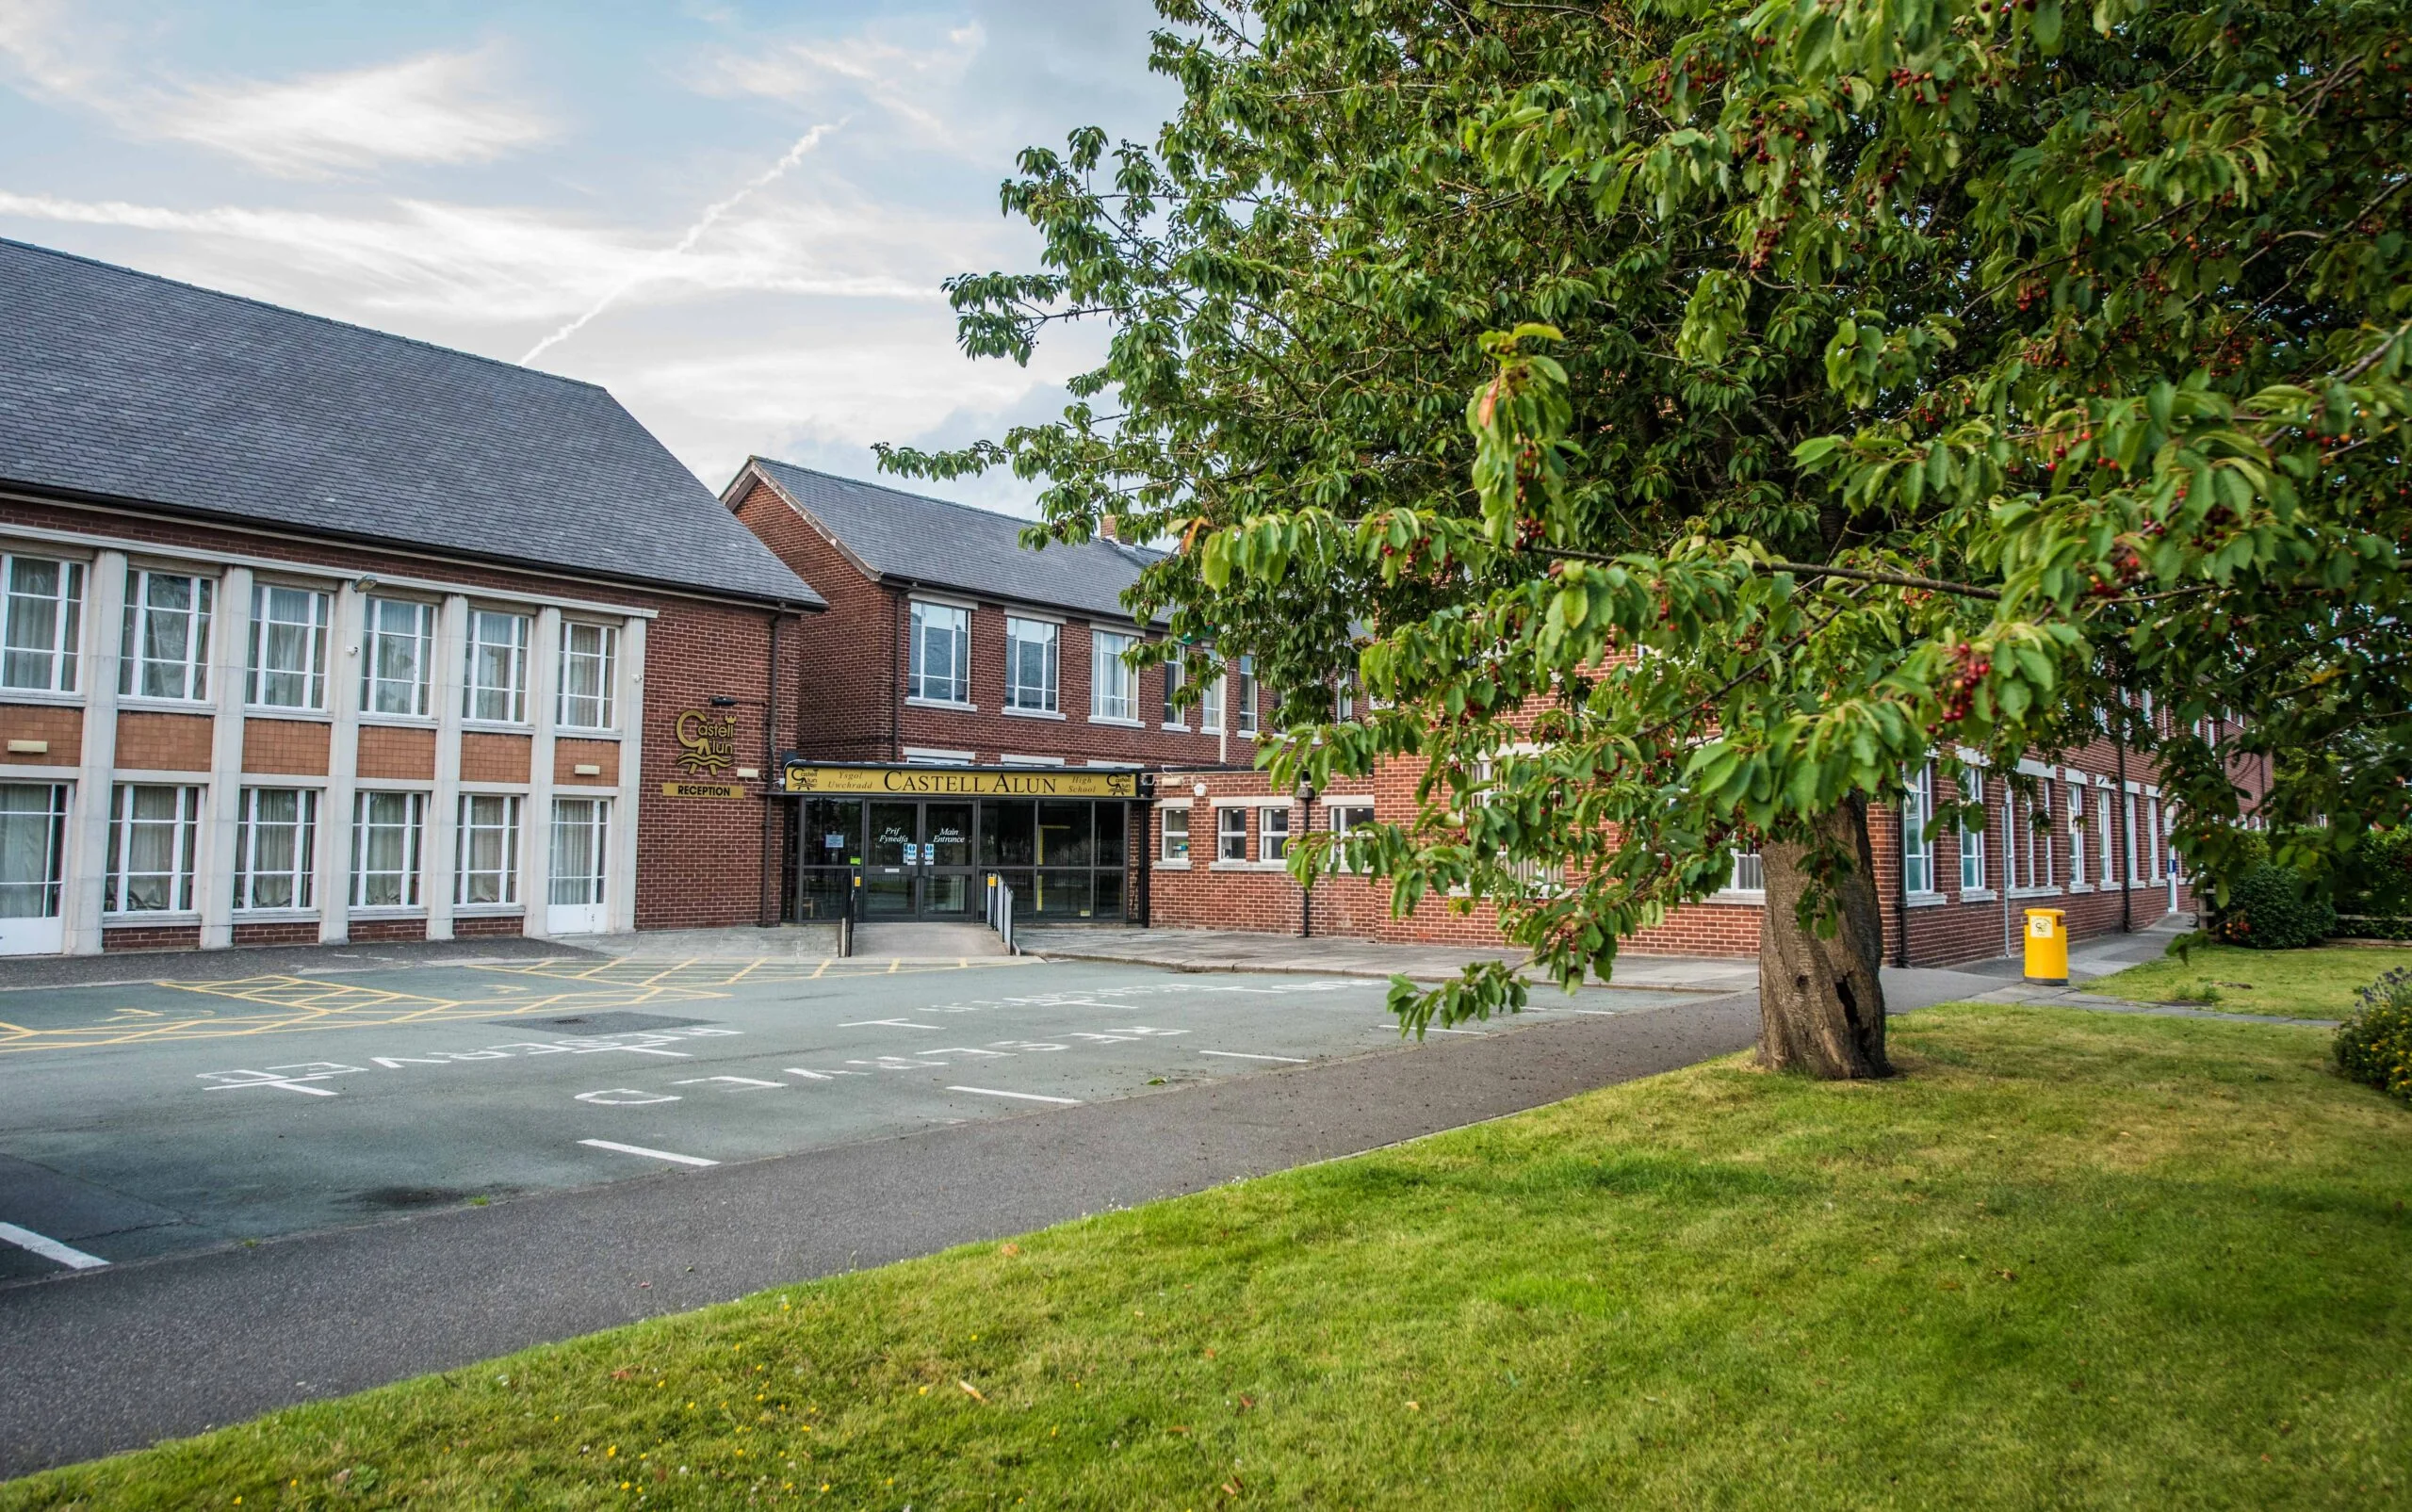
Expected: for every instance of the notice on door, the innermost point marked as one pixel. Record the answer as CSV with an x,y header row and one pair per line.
x,y
702,789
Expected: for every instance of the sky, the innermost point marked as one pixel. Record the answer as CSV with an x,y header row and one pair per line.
x,y
734,216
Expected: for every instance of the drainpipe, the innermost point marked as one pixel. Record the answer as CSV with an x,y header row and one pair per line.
x,y
2007,842
2125,853
1306,894
766,910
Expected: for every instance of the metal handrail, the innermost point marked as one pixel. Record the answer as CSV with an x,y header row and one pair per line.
x,y
1000,911
846,919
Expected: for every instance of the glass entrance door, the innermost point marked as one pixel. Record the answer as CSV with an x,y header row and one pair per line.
x,y
893,862
33,842
947,890
582,859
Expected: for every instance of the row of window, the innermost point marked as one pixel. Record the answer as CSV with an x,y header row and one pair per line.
x,y
1272,831
2104,849
165,647
939,671
154,834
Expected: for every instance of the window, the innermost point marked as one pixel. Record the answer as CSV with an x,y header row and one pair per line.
x,y
1176,717
166,652
151,835
1273,834
2027,831
276,849
1230,835
1176,843
2152,840
1247,695
384,849
397,659
495,689
1345,820
45,614
489,869
1029,664
1209,706
33,845
2076,835
288,648
1109,678
941,654
1972,840
1917,830
590,652
1750,873
2129,873
581,851
2104,841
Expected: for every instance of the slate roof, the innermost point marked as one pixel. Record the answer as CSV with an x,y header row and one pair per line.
x,y
931,542
120,386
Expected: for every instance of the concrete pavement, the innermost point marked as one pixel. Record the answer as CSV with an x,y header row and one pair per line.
x,y
1221,949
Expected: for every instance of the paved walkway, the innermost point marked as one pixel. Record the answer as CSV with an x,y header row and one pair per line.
x,y
20,973
1214,950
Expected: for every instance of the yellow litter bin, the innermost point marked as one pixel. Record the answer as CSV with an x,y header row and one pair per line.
x,y
2048,946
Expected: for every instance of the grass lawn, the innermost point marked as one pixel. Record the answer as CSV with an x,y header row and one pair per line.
x,y
2070,1259
2318,982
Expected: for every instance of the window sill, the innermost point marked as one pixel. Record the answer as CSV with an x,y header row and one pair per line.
x,y
1172,866
1929,899
274,916
313,716
138,704
485,726
1116,722
1250,865
158,915
2081,887
1755,896
486,911
1031,714
396,722
1174,729
949,704
2034,893
1978,895
386,911
581,731
40,696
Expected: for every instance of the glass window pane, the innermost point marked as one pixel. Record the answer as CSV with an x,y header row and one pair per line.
x,y
1064,835
1113,832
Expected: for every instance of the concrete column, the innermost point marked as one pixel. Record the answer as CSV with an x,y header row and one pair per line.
x,y
536,821
230,630
443,805
630,697
96,672
346,670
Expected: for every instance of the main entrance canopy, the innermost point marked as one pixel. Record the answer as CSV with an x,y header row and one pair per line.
x,y
918,842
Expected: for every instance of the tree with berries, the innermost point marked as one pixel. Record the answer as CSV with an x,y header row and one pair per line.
x,y
1683,417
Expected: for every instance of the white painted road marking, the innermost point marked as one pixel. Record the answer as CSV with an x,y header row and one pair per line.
x,y
650,1154
1243,1055
626,1098
50,1249
1027,1096
886,1023
736,1081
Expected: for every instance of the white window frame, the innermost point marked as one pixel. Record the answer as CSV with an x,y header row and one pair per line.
x,y
1972,842
594,711
1247,716
1176,718
514,693
1110,680
1272,838
66,609
1749,878
952,688
258,677
1021,698
135,666
469,829
1209,704
2153,871
2129,877
2028,850
413,804
1340,816
2107,844
301,875
1231,845
122,828
420,639
590,888
1917,833
2078,818
1172,847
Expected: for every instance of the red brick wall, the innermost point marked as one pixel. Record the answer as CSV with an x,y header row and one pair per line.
x,y
163,742
61,728
296,932
152,938
290,747
486,926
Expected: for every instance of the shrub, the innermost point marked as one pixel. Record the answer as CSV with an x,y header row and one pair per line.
x,y
2374,885
2269,908
2374,1046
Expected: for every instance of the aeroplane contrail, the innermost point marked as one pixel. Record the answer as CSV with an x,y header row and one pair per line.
x,y
686,242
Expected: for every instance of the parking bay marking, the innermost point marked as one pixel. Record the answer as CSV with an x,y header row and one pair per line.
x,y
650,1154
50,1249
1026,1096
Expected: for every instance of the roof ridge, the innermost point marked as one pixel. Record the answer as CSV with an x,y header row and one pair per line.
x,y
299,314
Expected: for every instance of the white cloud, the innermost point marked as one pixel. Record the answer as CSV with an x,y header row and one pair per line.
x,y
438,107
915,87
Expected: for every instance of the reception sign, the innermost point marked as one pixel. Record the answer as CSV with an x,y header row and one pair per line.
x,y
961,782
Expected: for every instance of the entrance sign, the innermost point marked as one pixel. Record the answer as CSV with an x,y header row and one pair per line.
x,y
706,742
702,789
985,781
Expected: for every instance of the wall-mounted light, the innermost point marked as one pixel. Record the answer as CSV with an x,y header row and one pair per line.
x,y
364,582
723,701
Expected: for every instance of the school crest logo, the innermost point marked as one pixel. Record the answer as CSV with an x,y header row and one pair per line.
x,y
707,742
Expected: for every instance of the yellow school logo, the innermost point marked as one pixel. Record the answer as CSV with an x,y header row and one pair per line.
x,y
707,742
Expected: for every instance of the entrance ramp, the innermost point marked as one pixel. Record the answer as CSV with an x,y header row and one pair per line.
x,y
925,942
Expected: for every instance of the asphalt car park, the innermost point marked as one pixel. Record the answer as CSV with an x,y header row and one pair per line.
x,y
142,1120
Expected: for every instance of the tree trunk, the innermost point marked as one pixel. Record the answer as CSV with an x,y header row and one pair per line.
x,y
1822,1003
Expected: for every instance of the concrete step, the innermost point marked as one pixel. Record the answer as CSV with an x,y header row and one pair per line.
x,y
913,941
